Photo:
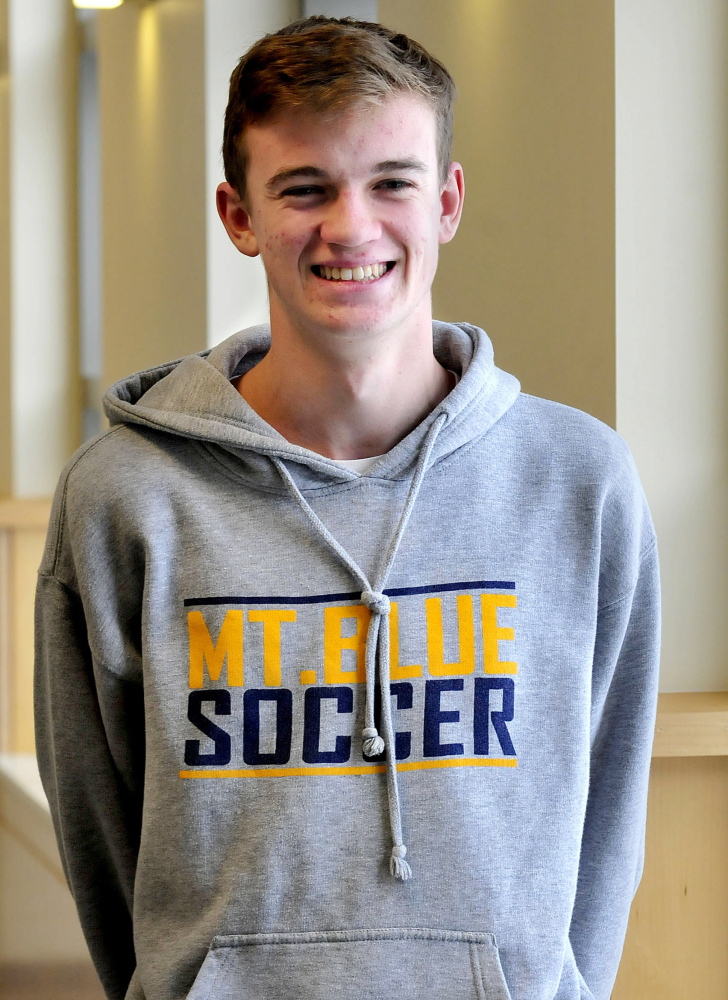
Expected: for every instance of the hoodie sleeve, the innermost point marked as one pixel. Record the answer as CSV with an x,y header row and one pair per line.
x,y
90,745
624,696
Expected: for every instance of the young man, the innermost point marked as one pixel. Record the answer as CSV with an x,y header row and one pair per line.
x,y
352,501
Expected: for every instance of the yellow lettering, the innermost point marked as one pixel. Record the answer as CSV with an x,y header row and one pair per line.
x,y
335,643
397,672
493,632
202,649
436,642
271,620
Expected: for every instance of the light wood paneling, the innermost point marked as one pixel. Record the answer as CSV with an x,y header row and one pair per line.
x,y
28,546
16,514
23,525
692,724
677,942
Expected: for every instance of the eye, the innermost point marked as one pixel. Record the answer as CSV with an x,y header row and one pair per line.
x,y
395,184
302,191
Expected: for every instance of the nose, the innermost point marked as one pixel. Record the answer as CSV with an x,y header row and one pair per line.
x,y
350,221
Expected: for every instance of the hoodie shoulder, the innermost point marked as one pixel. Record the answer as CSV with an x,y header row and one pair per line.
x,y
566,435
584,459
100,484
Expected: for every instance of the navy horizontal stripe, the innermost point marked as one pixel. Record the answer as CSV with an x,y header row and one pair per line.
x,y
354,595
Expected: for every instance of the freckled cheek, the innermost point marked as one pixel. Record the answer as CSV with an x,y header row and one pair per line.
x,y
282,246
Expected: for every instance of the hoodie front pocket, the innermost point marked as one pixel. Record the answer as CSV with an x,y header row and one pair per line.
x,y
401,963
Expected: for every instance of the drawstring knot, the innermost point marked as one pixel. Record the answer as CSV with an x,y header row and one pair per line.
x,y
377,603
397,865
372,744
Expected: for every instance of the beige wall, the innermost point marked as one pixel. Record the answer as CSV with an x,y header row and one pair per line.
x,y
151,83
672,309
533,262
594,248
6,453
237,294
38,381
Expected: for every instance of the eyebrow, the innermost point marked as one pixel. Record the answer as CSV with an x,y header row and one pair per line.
x,y
411,163
384,167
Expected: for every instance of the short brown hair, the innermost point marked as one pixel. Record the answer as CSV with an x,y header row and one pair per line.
x,y
328,65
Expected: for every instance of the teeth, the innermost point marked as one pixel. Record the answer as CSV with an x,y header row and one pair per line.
x,y
367,272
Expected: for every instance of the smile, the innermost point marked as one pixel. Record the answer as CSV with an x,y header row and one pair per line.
x,y
367,272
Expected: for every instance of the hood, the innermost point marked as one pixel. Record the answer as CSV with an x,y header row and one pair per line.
x,y
194,398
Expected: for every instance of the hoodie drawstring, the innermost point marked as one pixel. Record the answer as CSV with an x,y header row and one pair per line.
x,y
376,655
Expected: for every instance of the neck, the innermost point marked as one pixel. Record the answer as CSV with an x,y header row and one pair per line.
x,y
351,397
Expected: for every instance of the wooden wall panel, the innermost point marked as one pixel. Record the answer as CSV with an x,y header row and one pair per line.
x,y
27,547
677,942
23,526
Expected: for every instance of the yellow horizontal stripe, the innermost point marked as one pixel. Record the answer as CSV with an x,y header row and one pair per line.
x,y
319,772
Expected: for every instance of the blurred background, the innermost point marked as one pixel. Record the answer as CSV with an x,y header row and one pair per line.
x,y
593,249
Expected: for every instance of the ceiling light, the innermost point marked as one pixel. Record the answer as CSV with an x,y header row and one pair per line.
x,y
97,4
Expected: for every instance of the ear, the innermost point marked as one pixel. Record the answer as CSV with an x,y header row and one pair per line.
x,y
236,220
451,202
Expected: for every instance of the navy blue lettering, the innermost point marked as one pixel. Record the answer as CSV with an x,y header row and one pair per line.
x,y
344,697
483,714
251,725
435,717
221,754
402,691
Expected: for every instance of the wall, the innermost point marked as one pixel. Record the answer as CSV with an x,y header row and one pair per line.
x,y
675,947
594,248
38,381
33,898
672,309
237,295
151,96
6,451
533,262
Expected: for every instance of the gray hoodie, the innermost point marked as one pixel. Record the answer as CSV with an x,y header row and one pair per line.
x,y
240,813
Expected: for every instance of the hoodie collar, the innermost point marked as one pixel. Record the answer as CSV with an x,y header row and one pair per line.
x,y
194,398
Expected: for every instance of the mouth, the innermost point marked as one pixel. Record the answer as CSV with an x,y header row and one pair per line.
x,y
365,272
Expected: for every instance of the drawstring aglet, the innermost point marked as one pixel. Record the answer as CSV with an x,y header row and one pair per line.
x,y
397,865
373,743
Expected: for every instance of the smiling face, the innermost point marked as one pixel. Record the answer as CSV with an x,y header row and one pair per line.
x,y
347,214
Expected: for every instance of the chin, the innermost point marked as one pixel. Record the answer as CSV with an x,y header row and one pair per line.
x,y
364,325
